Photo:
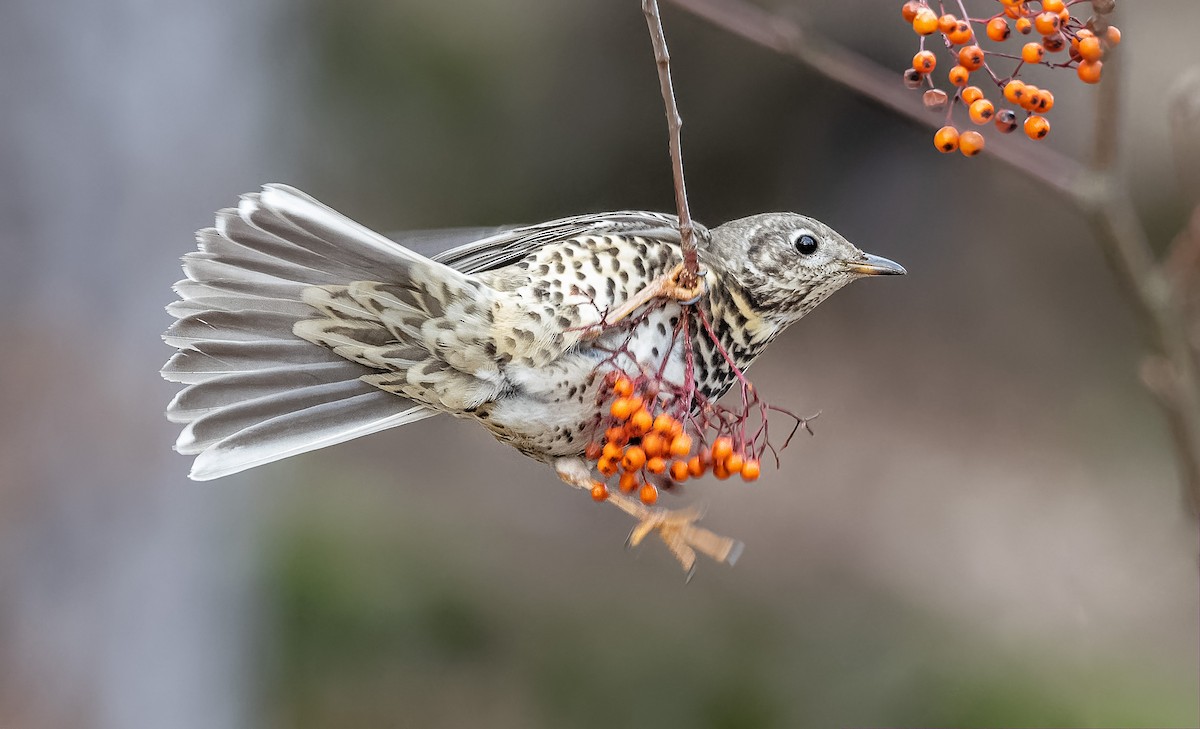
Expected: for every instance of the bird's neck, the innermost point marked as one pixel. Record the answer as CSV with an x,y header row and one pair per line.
x,y
740,337
737,322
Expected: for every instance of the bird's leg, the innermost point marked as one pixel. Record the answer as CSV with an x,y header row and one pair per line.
x,y
666,286
677,529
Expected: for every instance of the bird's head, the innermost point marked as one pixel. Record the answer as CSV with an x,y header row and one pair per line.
x,y
785,264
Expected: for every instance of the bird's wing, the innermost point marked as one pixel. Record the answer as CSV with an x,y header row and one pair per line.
x,y
474,250
443,339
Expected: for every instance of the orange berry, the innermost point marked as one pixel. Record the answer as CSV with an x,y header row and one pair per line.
x,y
1006,121
611,450
1053,6
935,99
599,491
657,464
961,33
971,143
720,471
1037,127
1014,91
607,466
648,494
734,463
1042,101
971,58
593,451
981,112
1064,16
910,9
971,94
1047,23
1033,53
946,139
947,23
634,458
679,470
1089,71
662,423
641,422
621,408
1028,98
681,445
751,469
654,444
695,468
1112,36
998,30
1073,52
676,429
1054,43
925,61
1024,26
1015,11
960,76
1090,49
722,447
623,387
616,434
925,22
628,482
1029,103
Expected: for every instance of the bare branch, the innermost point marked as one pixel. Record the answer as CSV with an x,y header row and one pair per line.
x,y
1094,191
1130,256
674,123
1183,257
879,84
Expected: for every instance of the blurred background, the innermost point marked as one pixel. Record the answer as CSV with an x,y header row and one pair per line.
x,y
986,530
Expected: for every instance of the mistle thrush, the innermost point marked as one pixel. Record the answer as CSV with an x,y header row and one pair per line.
x,y
299,328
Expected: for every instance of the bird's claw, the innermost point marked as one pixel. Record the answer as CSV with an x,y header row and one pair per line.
x,y
679,532
666,286
677,529
673,288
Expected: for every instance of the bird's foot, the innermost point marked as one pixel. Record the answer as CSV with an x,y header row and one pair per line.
x,y
666,286
677,529
672,288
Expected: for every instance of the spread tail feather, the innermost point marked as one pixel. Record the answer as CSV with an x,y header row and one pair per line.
x,y
256,392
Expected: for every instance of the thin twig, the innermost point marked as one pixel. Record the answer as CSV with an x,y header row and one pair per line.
x,y
1104,202
687,242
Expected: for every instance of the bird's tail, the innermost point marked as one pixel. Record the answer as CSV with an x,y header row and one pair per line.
x,y
255,392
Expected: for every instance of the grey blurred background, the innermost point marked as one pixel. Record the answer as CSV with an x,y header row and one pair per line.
x,y
986,530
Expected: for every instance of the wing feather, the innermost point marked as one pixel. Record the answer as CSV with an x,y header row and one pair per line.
x,y
508,246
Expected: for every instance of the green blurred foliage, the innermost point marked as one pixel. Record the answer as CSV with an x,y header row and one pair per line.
x,y
378,620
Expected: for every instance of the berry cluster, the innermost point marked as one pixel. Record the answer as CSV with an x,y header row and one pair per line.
x,y
646,444
1084,43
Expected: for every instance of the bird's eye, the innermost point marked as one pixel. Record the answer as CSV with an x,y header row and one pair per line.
x,y
806,244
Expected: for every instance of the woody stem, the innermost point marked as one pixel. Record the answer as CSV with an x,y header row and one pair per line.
x,y
674,123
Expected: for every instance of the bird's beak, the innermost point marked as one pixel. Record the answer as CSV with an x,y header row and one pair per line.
x,y
870,265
